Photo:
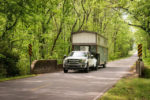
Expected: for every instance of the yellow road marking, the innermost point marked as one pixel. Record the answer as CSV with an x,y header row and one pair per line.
x,y
37,88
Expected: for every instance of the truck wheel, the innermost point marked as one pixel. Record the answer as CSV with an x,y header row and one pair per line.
x,y
87,68
104,65
65,71
93,67
96,68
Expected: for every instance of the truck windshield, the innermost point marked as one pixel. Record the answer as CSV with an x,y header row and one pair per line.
x,y
78,54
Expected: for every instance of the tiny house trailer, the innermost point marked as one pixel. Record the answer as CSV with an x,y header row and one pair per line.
x,y
93,42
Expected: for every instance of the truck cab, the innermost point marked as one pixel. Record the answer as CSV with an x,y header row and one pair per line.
x,y
79,60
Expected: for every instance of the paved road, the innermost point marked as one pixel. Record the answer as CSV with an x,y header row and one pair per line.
x,y
70,86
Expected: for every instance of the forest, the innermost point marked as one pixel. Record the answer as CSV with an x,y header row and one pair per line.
x,y
49,24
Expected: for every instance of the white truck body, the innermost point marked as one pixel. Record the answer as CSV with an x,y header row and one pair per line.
x,y
79,60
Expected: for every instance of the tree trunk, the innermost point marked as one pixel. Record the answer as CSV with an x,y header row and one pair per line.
x,y
115,45
54,44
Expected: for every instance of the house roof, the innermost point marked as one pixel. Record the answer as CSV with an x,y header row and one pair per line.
x,y
88,32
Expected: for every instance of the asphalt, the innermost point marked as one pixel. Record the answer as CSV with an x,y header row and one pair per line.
x,y
71,86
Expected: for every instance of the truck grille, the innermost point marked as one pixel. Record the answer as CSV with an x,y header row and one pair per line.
x,y
73,61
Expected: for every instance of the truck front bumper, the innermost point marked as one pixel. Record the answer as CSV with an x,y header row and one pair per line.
x,y
74,66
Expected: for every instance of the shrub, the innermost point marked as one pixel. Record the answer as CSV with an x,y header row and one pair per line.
x,y
146,71
8,61
3,72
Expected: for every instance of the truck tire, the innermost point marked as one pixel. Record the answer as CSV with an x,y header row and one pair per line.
x,y
87,68
104,65
65,70
93,67
96,68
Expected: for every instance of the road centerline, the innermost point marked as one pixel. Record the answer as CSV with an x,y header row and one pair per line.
x,y
39,87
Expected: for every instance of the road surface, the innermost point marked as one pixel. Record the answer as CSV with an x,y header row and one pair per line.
x,y
70,86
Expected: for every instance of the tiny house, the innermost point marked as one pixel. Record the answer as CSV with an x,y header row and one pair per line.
x,y
93,42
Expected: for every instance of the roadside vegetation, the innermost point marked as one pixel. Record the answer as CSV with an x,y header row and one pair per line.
x,y
15,77
130,53
146,72
131,88
48,24
134,88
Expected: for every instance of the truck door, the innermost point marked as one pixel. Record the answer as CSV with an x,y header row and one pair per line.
x,y
90,60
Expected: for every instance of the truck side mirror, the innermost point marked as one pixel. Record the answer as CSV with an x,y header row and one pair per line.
x,y
92,56
65,56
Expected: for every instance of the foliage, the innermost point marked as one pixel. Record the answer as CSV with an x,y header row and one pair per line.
x,y
131,88
139,18
48,24
146,72
8,61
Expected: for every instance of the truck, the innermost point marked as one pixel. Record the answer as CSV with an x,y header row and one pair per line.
x,y
80,60
94,44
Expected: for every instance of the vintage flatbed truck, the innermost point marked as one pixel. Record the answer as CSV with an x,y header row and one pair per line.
x,y
92,42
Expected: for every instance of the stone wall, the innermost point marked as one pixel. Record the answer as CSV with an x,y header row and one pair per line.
x,y
44,66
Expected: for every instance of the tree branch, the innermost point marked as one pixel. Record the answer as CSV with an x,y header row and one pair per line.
x,y
74,25
14,24
50,16
138,26
75,8
83,7
82,23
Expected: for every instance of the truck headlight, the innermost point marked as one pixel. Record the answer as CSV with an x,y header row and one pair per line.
x,y
65,61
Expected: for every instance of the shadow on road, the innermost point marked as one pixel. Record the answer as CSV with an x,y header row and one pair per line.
x,y
82,71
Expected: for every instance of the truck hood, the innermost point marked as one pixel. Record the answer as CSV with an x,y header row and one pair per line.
x,y
75,58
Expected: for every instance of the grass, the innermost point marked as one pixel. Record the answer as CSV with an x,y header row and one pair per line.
x,y
146,72
131,88
147,61
16,77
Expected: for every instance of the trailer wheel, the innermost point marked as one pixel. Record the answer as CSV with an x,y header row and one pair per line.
x,y
104,65
65,70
